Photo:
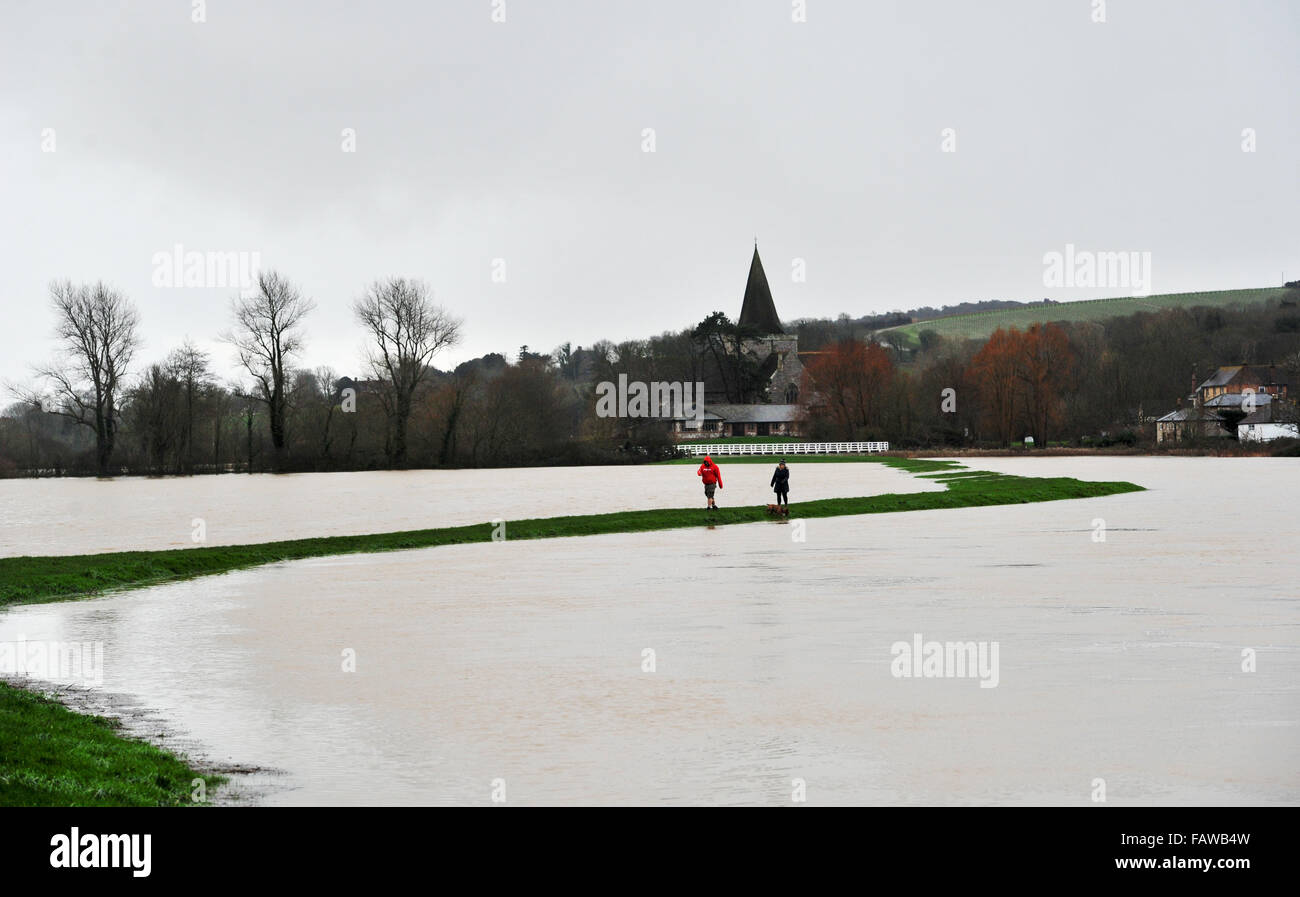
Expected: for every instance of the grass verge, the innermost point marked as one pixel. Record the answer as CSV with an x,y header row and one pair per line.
x,y
53,757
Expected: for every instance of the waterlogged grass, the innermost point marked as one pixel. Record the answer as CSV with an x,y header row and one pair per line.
x,y
30,580
53,757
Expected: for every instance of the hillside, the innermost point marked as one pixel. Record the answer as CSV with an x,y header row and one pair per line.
x,y
980,325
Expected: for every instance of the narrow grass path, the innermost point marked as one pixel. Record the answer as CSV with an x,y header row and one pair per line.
x,y
31,580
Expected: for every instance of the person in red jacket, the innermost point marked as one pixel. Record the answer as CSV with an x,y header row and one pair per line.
x,y
712,478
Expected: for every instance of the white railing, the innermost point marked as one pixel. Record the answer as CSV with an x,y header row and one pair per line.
x,y
784,448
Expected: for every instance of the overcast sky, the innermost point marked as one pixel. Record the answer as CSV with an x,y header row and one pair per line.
x,y
524,141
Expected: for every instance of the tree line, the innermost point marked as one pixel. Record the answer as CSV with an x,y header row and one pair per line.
x,y
93,410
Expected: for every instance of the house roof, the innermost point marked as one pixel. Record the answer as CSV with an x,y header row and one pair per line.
x,y
758,310
1252,373
1267,414
1235,400
755,414
1188,414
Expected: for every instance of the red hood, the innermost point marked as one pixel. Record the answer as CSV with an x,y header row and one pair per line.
x,y
708,460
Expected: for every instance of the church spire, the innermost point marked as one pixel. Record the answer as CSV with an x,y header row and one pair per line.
x,y
758,310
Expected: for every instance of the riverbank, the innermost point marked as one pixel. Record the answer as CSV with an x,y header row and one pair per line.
x,y
37,579
51,756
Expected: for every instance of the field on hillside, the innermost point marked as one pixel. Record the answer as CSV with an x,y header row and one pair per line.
x,y
984,323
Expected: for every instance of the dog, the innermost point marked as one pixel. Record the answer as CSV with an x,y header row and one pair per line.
x,y
779,510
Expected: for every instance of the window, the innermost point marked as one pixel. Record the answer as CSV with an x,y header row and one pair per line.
x,y
791,393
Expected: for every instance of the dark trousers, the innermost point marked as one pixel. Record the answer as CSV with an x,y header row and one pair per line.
x,y
782,497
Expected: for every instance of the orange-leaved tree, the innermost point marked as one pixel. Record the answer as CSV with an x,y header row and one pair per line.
x,y
850,383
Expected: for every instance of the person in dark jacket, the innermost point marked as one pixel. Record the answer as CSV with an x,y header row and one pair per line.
x,y
712,478
781,484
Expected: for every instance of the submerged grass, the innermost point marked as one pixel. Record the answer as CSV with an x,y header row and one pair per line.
x,y
53,757
31,580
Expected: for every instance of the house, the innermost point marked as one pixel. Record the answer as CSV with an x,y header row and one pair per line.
x,y
1238,378
1190,423
757,420
1254,395
1263,425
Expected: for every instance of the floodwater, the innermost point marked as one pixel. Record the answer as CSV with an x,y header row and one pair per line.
x,y
524,667
81,515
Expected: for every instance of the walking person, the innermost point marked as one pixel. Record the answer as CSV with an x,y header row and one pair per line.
x,y
712,478
781,484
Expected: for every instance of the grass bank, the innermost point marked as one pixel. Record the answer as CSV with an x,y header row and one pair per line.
x,y
53,757
31,580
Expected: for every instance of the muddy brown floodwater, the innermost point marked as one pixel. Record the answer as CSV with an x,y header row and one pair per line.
x,y
528,662
80,515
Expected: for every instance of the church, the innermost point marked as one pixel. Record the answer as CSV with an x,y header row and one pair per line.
x,y
776,409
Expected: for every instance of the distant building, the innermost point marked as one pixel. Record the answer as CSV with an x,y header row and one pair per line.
x,y
1237,378
358,387
1190,423
1241,401
1262,425
780,372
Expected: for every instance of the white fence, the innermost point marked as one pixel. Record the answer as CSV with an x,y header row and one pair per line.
x,y
785,448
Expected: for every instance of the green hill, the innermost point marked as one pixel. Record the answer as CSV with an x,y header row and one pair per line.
x,y
982,324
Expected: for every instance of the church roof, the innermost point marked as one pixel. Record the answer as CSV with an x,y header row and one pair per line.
x,y
758,309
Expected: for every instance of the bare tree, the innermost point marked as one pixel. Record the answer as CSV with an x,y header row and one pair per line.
x,y
97,328
406,330
267,334
189,366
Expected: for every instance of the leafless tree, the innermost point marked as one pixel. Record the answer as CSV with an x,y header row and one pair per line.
x,y
267,334
97,331
406,331
189,365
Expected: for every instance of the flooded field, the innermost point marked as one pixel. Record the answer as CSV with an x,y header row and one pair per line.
x,y
88,516
528,665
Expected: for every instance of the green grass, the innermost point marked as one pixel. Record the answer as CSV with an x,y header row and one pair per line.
x,y
981,324
31,580
53,757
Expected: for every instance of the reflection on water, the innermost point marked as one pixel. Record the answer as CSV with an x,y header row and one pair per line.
x,y
524,661
87,516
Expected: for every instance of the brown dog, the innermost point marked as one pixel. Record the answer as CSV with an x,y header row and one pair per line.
x,y
779,510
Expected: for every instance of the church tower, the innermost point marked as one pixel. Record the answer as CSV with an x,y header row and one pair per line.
x,y
758,310
776,351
